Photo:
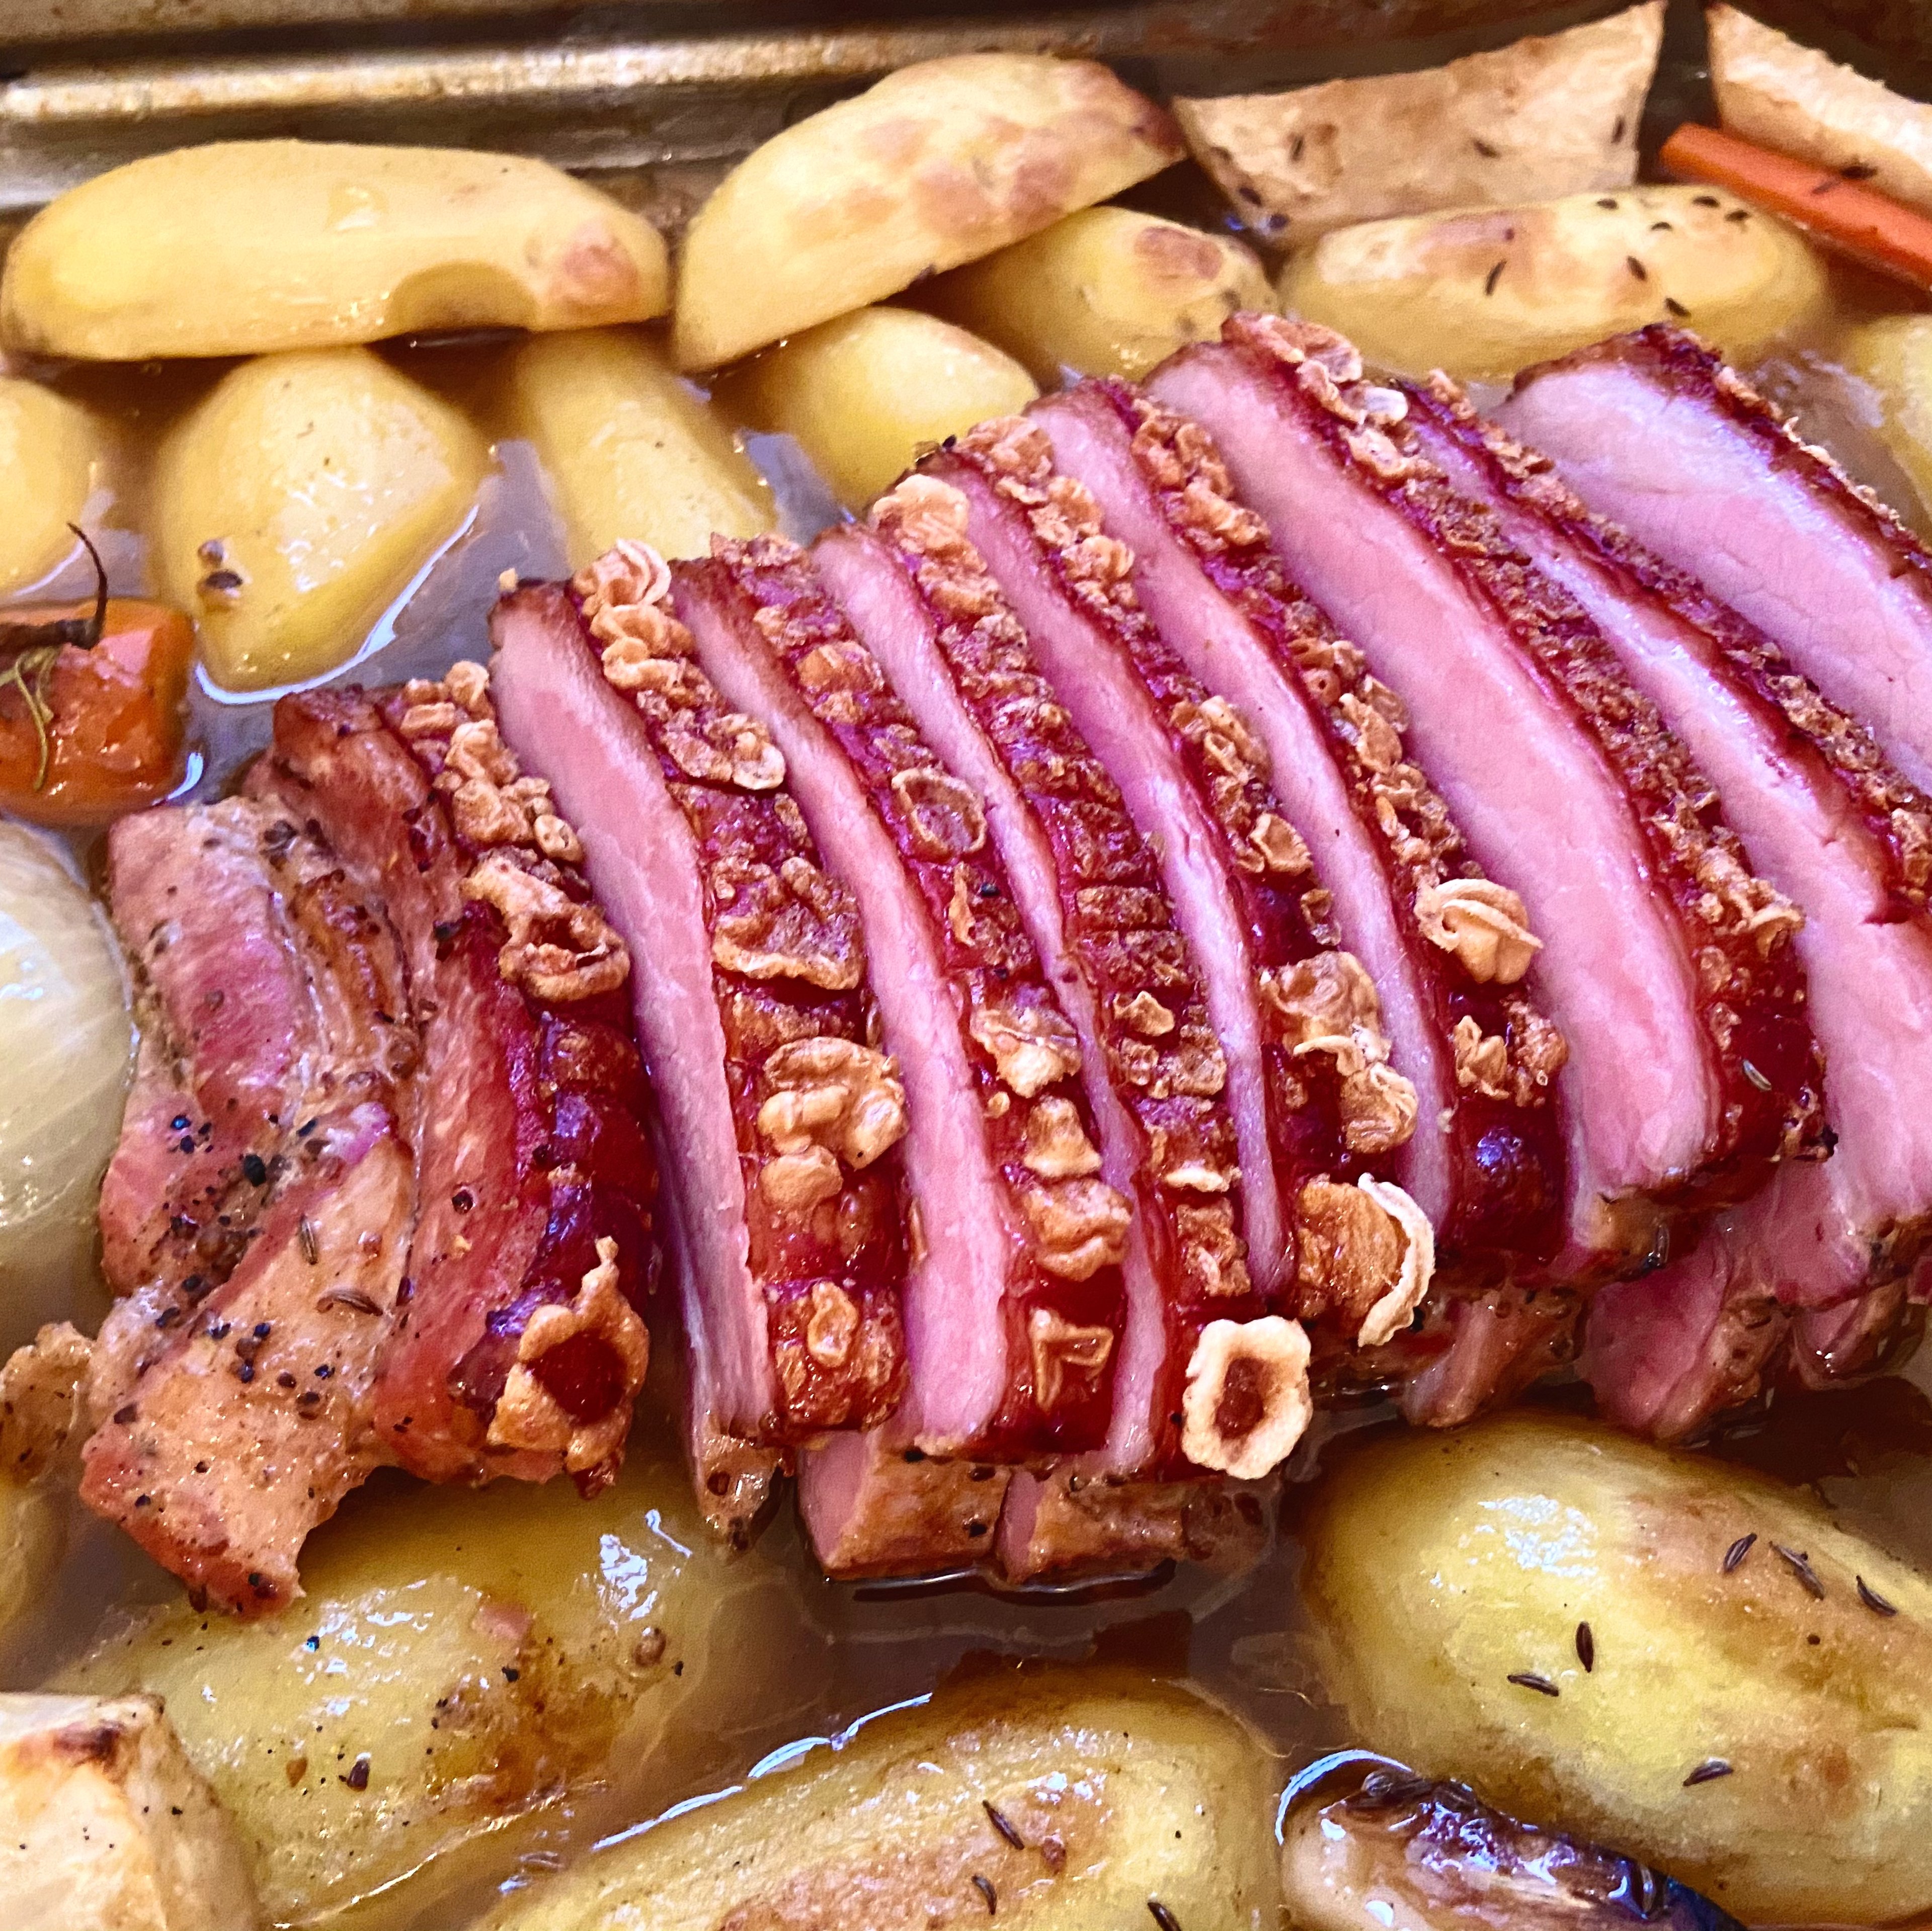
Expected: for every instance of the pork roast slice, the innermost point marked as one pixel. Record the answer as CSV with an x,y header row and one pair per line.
x,y
520,1345
1013,1300
1828,821
1486,1163
781,1116
1663,960
1315,1102
1653,431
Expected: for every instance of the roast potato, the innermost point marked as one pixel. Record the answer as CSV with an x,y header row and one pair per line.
x,y
240,248
864,395
52,455
295,502
1737,1719
629,449
106,1826
1795,101
1484,294
937,164
1108,292
1119,1793
1555,115
460,1659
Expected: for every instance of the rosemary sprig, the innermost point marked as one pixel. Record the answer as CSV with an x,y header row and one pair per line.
x,y
31,650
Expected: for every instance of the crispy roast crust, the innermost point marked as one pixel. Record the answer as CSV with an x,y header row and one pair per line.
x,y
519,1345
1506,1138
1063,1310
1736,928
817,1107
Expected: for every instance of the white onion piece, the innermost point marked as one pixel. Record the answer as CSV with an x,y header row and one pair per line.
x,y
66,1042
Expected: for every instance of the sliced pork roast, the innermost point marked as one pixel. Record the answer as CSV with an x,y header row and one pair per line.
x,y
1486,1163
520,1345
1836,827
1207,1379
1315,1102
1653,431
781,1112
1013,1303
1666,962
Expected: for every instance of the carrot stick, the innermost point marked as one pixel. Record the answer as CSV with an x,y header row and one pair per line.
x,y
1857,221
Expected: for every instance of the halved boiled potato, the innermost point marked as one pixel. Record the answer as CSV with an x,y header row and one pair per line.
x,y
1064,1800
1484,294
1108,292
239,247
52,455
461,1659
1751,1715
937,164
1893,355
629,450
294,502
864,395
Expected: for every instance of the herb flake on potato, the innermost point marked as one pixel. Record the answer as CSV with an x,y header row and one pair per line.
x,y
936,165
1548,116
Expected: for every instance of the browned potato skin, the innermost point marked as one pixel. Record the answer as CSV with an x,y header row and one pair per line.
x,y
1441,1566
1107,291
1547,116
1120,1791
939,163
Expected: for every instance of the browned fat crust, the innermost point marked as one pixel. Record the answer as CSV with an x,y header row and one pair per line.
x,y
818,1107
1329,1050
1738,926
1506,1050
1024,1052
1897,813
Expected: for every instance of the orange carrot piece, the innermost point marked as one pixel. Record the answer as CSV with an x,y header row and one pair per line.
x,y
1857,221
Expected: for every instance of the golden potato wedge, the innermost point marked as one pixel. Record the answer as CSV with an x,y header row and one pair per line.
x,y
106,1826
295,502
461,1659
1484,294
865,394
1449,1574
53,452
1892,356
1797,101
1108,292
242,247
1552,115
1061,1799
629,449
937,164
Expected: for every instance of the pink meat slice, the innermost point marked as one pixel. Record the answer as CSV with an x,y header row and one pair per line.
x,y
521,1347
1013,1300
1584,799
1244,887
1825,818
753,1008
1653,431
1486,1163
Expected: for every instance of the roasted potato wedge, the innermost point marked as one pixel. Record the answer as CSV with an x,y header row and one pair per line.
x,y
937,164
629,449
295,502
1484,294
242,247
1744,1709
53,452
1548,116
1797,101
106,1826
461,1659
1108,292
865,394
1055,1800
